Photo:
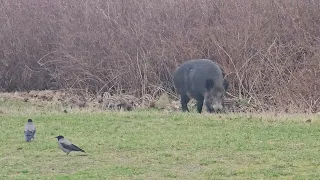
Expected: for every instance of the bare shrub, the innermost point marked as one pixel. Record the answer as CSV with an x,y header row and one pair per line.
x,y
269,50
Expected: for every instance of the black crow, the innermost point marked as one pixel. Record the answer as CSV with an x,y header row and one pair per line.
x,y
66,146
29,131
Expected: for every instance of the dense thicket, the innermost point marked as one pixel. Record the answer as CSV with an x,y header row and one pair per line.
x,y
268,49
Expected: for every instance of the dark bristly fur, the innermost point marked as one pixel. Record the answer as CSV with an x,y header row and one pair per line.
x,y
201,79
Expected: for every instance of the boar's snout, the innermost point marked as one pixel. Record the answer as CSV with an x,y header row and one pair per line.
x,y
217,108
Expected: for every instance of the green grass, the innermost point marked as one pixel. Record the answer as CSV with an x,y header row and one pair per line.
x,y
157,145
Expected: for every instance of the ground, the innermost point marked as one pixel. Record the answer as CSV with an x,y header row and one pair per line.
x,y
156,144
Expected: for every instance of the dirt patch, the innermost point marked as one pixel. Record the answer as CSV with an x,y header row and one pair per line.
x,y
106,101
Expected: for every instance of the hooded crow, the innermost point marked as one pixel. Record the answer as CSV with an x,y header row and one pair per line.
x,y
29,131
66,146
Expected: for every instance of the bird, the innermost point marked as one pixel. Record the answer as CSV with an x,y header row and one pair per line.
x,y
66,146
29,131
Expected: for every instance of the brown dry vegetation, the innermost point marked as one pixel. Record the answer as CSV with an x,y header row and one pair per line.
x,y
268,49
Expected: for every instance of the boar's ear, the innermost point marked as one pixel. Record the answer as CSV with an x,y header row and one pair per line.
x,y
209,83
225,84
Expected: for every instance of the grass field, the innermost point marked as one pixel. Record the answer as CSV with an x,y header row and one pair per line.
x,y
157,145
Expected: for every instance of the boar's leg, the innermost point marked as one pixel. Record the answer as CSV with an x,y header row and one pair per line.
x,y
209,109
199,99
184,102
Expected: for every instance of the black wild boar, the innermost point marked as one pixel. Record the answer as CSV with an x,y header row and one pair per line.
x,y
201,79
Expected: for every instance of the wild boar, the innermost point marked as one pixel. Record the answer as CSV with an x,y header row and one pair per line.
x,y
201,79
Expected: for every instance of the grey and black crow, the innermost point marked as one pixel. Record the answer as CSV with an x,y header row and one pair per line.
x,y
29,131
66,146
